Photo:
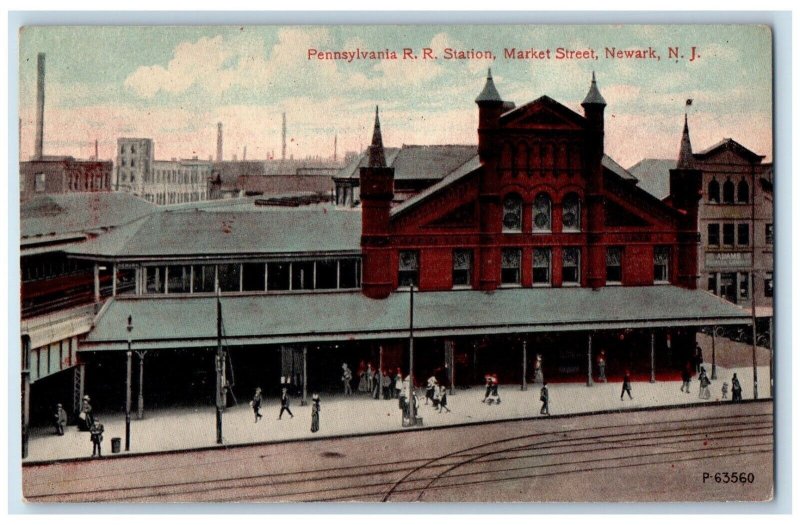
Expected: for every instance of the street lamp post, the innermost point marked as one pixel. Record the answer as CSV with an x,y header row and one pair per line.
x,y
128,389
219,369
412,410
714,352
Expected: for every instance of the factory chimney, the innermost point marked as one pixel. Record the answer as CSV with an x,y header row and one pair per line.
x,y
96,152
39,107
335,146
244,153
219,141
283,151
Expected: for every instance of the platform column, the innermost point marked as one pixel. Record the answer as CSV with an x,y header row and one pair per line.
x,y
589,380
524,365
652,357
140,399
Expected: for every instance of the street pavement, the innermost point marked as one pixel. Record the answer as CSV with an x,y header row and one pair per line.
x,y
193,428
710,452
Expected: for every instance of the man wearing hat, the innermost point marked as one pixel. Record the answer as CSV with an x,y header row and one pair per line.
x,y
60,419
86,417
96,437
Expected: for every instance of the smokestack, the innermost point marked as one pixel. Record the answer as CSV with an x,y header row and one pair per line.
x,y
219,141
335,146
244,153
283,151
96,153
39,150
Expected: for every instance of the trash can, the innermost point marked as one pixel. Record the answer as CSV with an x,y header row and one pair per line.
x,y
116,445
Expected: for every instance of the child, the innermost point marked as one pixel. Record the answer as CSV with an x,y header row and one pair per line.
x,y
725,390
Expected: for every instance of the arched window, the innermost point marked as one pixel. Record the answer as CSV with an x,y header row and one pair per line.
x,y
727,192
743,192
571,213
512,213
713,191
541,213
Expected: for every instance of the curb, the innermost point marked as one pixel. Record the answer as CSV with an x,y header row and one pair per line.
x,y
388,432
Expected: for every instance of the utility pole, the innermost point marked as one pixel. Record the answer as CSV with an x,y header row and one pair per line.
x,y
219,369
412,410
128,389
753,280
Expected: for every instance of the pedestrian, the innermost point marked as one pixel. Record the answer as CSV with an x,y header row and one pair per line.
x,y
86,416
495,386
544,397
398,384
255,404
488,388
386,384
601,367
698,357
626,386
315,413
725,390
538,374
686,379
362,376
736,389
285,403
377,382
705,393
60,419
370,373
431,388
442,394
347,377
96,437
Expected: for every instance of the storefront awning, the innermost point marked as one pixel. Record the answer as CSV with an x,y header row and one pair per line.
x,y
184,322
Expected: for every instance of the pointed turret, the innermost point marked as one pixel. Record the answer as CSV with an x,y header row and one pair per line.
x,y
685,155
377,157
686,188
593,97
376,181
489,93
490,107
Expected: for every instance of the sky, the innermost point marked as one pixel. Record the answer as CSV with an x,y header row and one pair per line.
x,y
173,84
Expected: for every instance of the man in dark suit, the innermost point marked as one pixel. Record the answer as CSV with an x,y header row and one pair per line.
x,y
544,397
285,403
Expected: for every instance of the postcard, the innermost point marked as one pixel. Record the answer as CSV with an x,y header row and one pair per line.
x,y
396,263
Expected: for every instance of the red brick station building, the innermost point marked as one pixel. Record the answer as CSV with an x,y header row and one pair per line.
x,y
538,243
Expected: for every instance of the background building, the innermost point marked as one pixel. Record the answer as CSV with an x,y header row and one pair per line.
x,y
735,218
160,181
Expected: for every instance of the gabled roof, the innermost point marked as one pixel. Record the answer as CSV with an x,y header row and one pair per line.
x,y
413,162
214,232
462,171
58,214
653,175
729,145
611,165
545,101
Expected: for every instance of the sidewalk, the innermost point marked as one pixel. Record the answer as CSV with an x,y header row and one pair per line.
x,y
180,429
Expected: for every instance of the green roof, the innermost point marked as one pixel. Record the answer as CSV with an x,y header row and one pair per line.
x,y
216,232
189,321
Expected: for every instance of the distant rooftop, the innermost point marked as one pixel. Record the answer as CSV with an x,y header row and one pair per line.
x,y
418,162
56,214
653,175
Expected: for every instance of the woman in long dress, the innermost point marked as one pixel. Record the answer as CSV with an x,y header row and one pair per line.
x,y
315,413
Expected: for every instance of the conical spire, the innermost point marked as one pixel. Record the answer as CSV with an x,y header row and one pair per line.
x,y
377,158
593,96
685,156
489,93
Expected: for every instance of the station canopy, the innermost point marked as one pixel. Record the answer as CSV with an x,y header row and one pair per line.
x,y
190,321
